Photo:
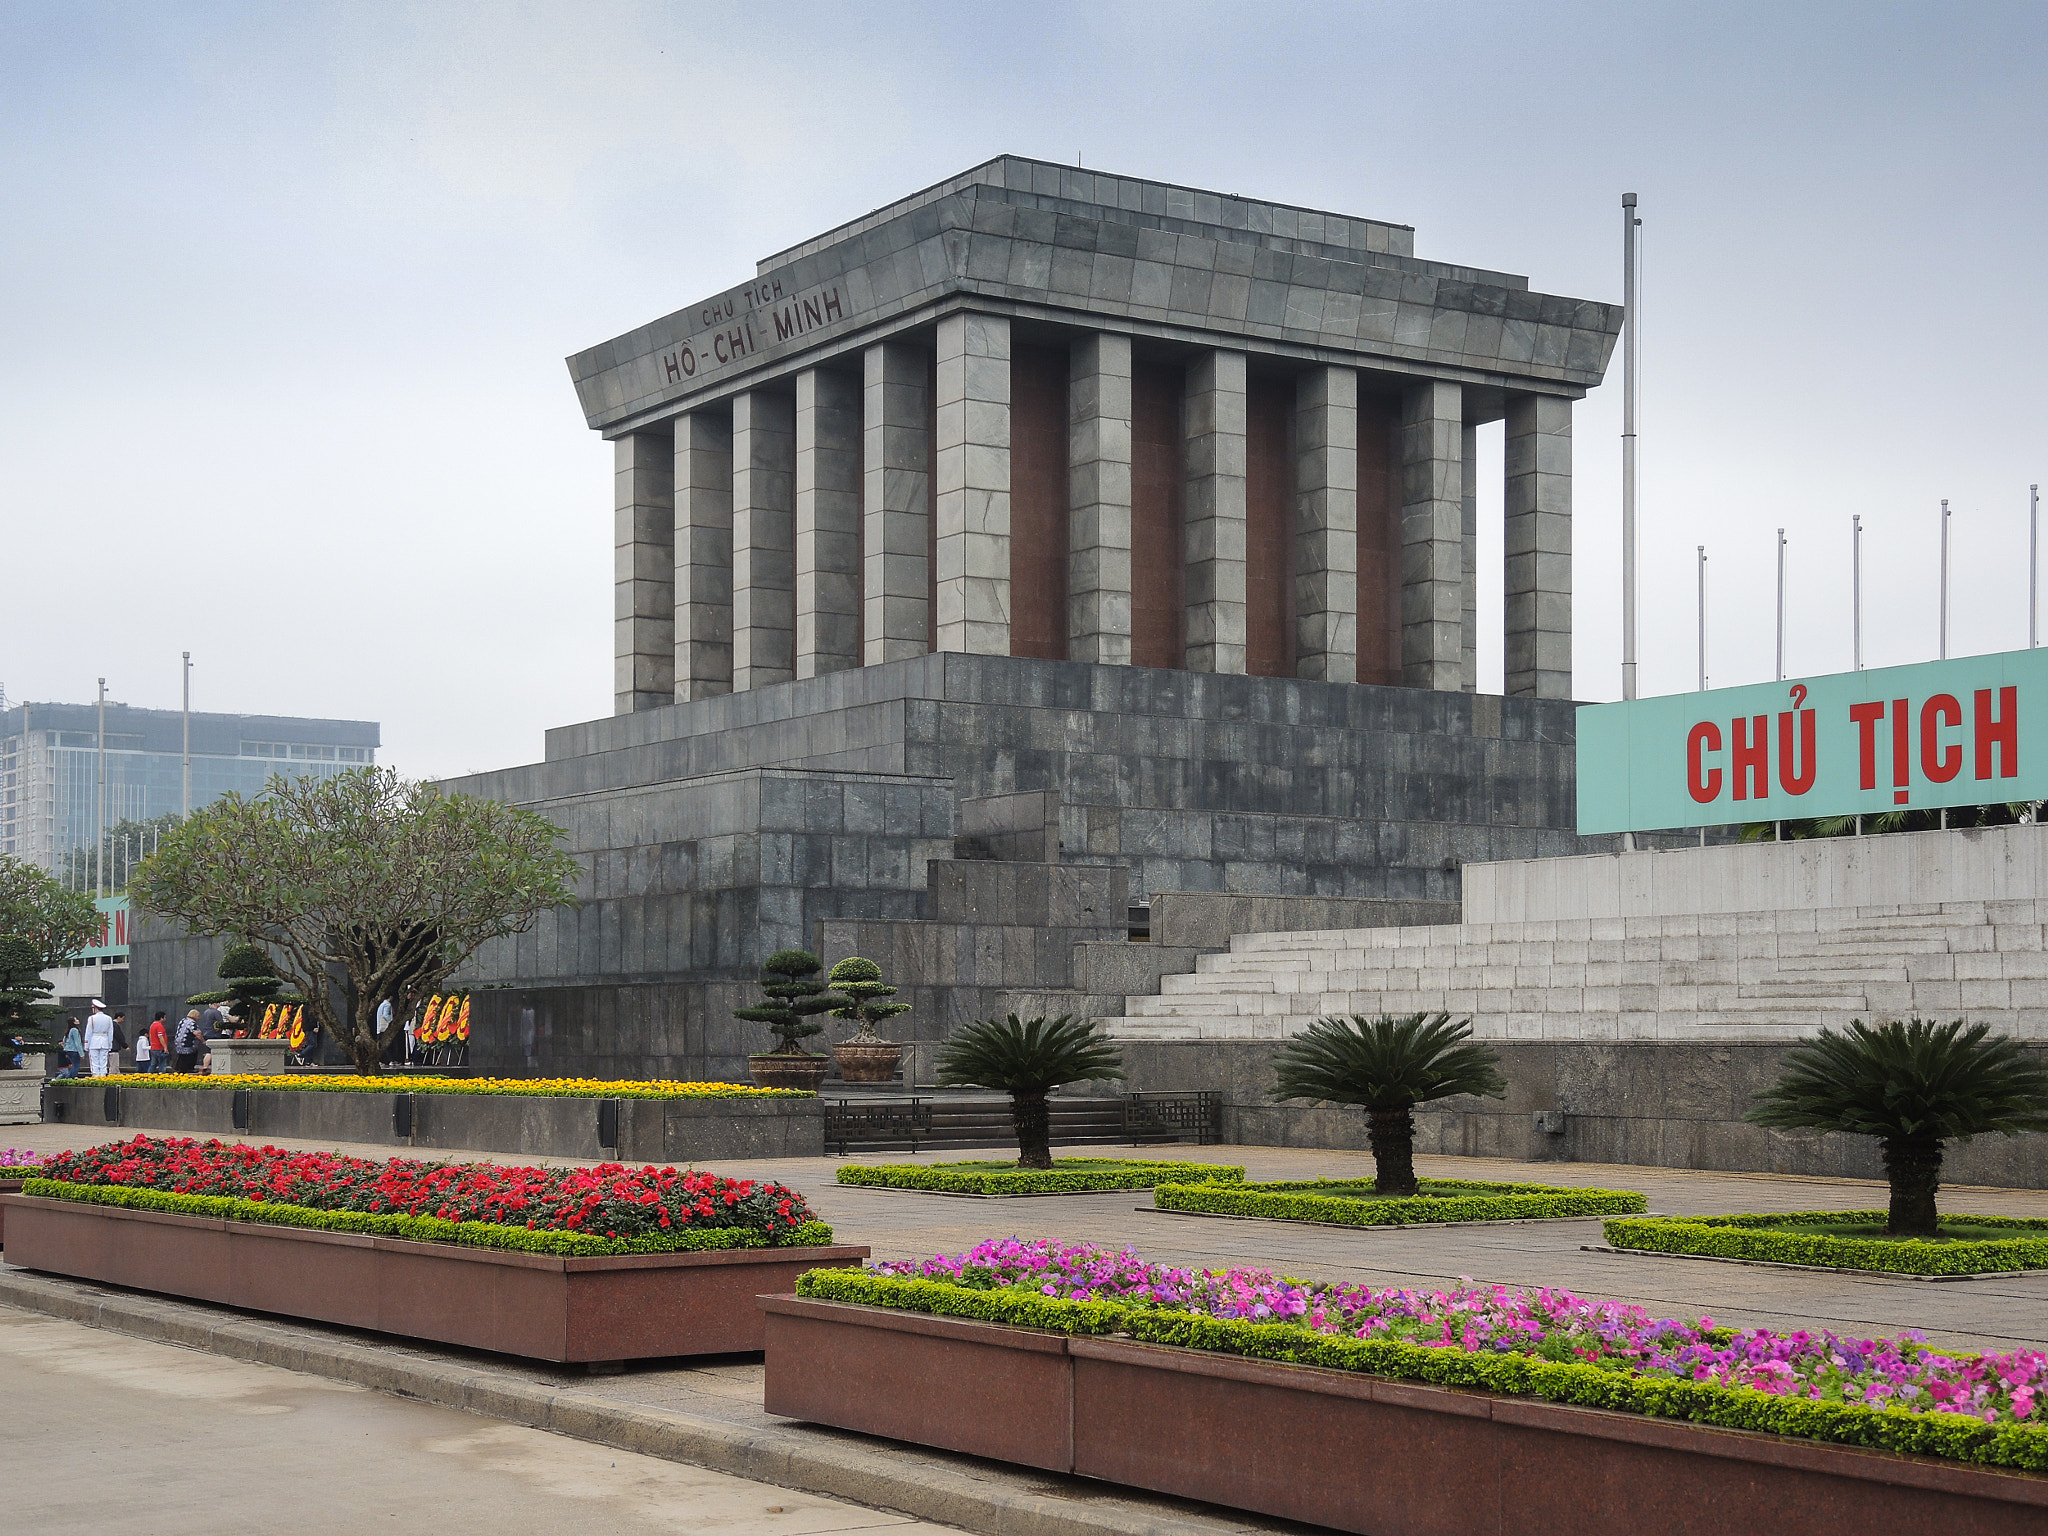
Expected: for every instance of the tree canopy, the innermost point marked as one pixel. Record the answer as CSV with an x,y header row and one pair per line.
x,y
389,883
33,906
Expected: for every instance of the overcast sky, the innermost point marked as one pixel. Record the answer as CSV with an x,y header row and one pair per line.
x,y
287,289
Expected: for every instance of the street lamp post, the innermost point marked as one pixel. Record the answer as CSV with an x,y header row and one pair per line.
x,y
1944,578
1631,329
1856,590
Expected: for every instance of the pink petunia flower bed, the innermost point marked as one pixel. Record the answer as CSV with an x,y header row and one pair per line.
x,y
1901,1372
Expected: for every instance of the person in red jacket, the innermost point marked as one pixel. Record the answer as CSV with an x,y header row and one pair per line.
x,y
159,1044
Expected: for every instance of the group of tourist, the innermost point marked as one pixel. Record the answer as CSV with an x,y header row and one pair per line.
x,y
183,1046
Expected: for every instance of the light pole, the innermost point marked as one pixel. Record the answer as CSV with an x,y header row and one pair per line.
x,y
1944,578
99,826
1856,589
1631,329
186,801
2033,566
1781,605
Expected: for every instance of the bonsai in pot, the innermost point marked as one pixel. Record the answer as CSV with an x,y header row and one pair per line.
x,y
866,1057
794,996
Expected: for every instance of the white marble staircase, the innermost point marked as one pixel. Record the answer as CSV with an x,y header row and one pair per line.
x,y
1753,976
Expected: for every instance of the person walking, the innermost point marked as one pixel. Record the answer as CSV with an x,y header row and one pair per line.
x,y
99,1038
142,1048
187,1044
121,1042
159,1042
73,1049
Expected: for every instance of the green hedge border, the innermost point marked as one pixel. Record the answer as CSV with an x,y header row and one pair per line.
x,y
419,1229
1069,1176
1300,1200
1954,1437
546,1088
1733,1237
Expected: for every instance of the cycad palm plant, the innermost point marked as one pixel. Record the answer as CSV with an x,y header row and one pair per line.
x,y
1914,1086
1028,1058
1388,1065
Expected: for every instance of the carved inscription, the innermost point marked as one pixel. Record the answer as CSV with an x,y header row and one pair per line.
x,y
739,324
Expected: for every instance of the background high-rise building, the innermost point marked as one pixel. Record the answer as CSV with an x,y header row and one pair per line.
x,y
49,767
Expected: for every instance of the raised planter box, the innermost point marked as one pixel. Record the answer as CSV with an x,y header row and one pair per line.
x,y
7,1187
244,1057
1352,1452
647,1130
541,1306
21,1095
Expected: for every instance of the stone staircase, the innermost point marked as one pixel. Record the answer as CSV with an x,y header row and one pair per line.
x,y
1753,976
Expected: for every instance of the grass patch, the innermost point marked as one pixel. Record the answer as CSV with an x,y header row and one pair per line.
x,y
1357,1203
1969,1245
1068,1176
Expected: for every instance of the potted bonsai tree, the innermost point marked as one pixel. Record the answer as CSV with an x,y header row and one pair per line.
x,y
25,1006
866,1057
794,997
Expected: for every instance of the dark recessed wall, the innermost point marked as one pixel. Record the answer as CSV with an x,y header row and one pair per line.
x,y
1158,629
1379,541
1039,538
1269,527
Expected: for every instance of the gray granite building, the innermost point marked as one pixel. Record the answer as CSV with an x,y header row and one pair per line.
x,y
1046,412
1045,558
1042,555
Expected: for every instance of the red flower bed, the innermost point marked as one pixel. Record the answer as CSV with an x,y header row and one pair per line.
x,y
608,1201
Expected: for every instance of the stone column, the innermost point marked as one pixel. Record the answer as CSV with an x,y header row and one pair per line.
x,y
1326,524
971,494
828,488
1432,536
1099,500
763,539
1537,543
703,553
1468,568
897,503
643,572
1213,508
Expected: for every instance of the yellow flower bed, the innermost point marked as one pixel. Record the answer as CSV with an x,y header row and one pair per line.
x,y
501,1087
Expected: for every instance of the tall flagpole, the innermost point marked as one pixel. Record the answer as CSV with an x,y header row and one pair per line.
x,y
1944,578
2033,566
185,804
1703,616
1630,332
1856,589
1781,605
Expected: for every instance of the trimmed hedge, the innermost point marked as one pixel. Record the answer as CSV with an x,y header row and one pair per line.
x,y
418,1229
1750,1237
478,1087
1438,1201
1069,1175
1956,1437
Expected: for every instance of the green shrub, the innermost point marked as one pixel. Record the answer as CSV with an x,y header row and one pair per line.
x,y
419,1229
1956,1437
1753,1237
1331,1201
1069,1175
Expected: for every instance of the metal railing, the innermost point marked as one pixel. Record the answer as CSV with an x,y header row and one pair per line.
x,y
1197,1112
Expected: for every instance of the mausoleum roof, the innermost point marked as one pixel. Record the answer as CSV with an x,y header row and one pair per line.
x,y
1093,251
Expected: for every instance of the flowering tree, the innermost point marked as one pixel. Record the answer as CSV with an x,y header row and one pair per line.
x,y
388,884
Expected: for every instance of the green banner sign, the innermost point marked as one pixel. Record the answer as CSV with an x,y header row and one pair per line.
x,y
1965,732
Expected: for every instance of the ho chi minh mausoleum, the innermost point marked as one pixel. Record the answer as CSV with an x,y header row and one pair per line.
x,y
1045,553
1045,558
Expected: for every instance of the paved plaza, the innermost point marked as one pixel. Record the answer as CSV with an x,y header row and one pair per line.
x,y
127,1430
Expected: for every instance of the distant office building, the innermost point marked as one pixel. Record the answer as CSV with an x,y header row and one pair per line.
x,y
49,766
